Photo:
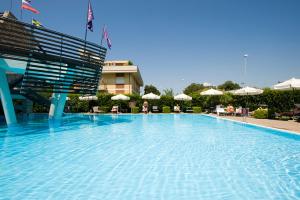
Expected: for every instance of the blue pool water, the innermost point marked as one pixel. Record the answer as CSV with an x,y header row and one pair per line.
x,y
147,157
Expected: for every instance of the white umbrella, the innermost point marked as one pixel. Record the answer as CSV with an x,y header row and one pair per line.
x,y
183,97
120,97
231,91
248,91
150,96
292,84
88,98
212,92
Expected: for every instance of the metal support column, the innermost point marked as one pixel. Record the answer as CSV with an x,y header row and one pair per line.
x,y
58,101
6,99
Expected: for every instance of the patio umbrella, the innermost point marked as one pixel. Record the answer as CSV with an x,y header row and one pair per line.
x,y
183,97
120,97
150,96
212,92
88,98
248,91
291,84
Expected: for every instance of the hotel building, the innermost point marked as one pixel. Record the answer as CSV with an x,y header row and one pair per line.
x,y
120,77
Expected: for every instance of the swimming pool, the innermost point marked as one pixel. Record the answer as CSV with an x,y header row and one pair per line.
x,y
161,156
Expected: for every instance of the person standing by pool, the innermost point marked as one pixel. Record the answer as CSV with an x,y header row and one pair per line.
x,y
145,107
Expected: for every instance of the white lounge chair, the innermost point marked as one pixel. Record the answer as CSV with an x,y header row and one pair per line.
x,y
238,111
220,110
155,109
96,109
177,109
115,109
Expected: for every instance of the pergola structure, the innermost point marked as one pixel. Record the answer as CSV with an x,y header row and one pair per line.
x,y
48,61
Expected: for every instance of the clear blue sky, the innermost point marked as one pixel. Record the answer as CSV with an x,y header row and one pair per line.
x,y
179,42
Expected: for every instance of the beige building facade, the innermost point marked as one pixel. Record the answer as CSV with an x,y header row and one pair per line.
x,y
120,77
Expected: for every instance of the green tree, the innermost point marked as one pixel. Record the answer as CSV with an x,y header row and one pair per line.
x,y
151,88
229,85
130,62
192,88
168,92
226,99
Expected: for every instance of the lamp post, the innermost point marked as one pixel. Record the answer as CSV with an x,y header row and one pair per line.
x,y
245,67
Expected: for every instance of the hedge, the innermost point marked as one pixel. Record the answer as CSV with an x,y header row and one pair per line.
x,y
105,109
135,110
277,101
197,109
260,113
166,109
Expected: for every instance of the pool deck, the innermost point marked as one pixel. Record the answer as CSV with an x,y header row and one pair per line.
x,y
278,124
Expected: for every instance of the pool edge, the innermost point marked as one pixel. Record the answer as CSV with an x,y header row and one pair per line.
x,y
251,124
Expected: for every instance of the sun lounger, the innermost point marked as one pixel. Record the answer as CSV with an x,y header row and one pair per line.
x,y
115,109
177,109
155,109
220,110
124,110
238,111
245,112
96,109
294,113
230,110
189,110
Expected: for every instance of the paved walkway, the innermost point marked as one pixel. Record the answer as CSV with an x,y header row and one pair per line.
x,y
284,125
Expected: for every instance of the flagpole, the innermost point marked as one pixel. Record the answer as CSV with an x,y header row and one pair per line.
x,y
85,35
21,14
102,34
11,3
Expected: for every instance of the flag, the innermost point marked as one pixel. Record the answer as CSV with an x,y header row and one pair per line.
x,y
106,37
90,17
36,23
26,4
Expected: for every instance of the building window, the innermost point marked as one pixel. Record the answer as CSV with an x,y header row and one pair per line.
x,y
120,78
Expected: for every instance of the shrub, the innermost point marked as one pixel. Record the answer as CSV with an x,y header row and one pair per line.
x,y
104,99
83,106
166,109
197,109
277,101
271,113
105,109
136,100
261,113
135,110
166,101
